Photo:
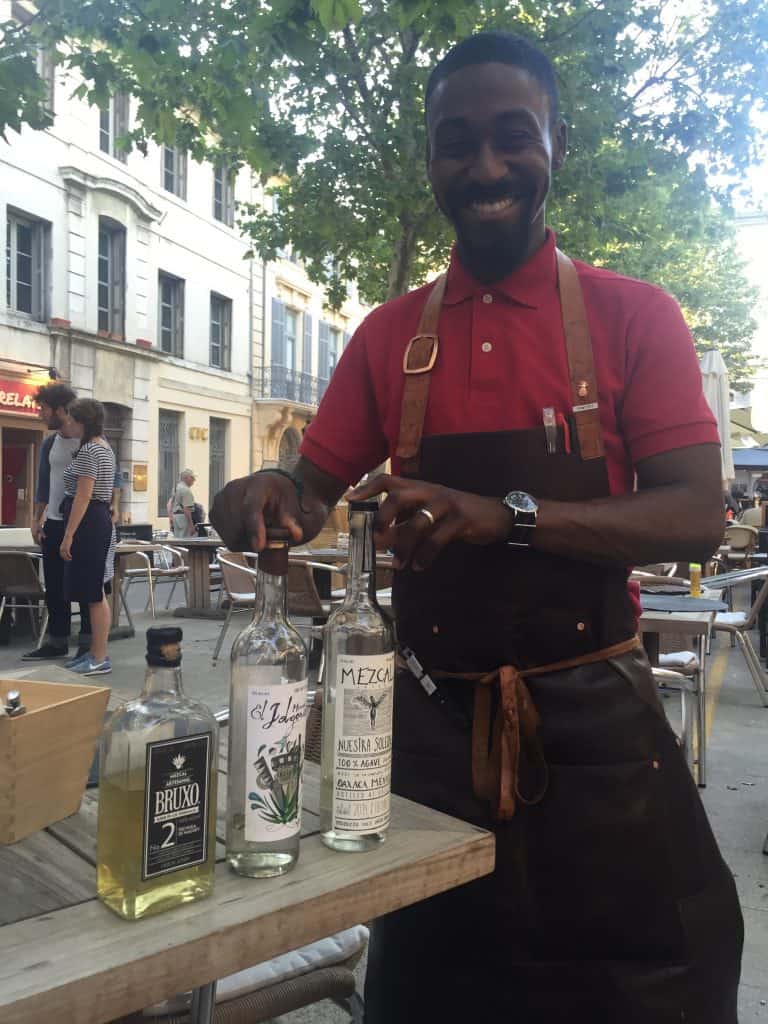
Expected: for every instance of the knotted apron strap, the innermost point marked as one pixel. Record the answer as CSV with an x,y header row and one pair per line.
x,y
419,358
497,745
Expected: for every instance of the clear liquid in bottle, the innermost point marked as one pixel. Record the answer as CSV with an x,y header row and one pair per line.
x,y
358,689
267,722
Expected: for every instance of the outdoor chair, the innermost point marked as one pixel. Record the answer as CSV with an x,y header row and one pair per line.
x,y
163,565
21,587
736,550
738,625
238,582
752,517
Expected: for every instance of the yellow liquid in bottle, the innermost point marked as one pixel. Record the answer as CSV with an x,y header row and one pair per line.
x,y
120,837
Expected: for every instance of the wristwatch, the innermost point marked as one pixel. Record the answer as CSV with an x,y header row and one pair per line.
x,y
524,509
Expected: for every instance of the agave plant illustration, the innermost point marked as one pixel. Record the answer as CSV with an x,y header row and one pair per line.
x,y
278,775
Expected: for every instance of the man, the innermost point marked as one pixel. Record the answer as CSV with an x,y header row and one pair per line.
x,y
48,524
518,398
181,506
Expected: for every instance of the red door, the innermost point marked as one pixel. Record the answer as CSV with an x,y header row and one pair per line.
x,y
14,477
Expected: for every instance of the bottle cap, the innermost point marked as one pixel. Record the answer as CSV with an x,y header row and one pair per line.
x,y
274,558
164,646
364,506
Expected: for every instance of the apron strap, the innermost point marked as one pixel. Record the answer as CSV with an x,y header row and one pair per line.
x,y
419,358
581,365
421,355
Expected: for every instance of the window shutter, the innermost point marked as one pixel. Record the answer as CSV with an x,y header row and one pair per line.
x,y
306,364
278,333
323,346
347,336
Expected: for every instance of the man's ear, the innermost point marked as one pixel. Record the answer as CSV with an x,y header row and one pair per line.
x,y
559,144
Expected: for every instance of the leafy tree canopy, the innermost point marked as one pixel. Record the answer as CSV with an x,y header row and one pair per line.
x,y
325,96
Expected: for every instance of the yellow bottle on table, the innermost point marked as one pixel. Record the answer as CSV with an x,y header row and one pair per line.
x,y
695,575
157,792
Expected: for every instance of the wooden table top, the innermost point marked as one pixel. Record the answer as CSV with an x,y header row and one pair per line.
x,y
65,957
194,542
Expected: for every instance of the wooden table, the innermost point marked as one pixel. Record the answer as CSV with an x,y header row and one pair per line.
x,y
65,957
200,550
336,556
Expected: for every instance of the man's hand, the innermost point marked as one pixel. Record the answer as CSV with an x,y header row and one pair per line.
x,y
37,532
411,535
243,510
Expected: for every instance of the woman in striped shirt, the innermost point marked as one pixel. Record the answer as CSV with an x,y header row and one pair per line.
x,y
88,547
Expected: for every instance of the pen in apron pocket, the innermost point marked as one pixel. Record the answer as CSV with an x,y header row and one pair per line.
x,y
550,429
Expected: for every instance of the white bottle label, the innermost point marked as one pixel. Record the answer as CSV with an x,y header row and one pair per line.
x,y
363,742
275,757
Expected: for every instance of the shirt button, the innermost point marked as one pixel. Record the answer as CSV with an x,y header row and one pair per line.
x,y
487,298
486,346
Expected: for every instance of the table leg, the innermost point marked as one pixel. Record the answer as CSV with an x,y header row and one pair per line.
x,y
701,721
118,632
199,606
203,1003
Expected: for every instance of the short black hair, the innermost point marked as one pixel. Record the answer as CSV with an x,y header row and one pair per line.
x,y
55,396
497,48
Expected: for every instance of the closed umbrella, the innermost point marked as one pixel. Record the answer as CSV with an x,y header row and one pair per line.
x,y
718,395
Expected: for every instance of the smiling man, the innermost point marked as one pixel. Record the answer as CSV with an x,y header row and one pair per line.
x,y
547,429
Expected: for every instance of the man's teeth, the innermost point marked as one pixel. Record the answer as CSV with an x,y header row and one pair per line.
x,y
496,205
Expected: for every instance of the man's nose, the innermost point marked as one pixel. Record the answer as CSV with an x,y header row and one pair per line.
x,y
489,165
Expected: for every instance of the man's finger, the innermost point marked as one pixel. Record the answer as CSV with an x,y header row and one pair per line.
x,y
407,537
378,485
431,546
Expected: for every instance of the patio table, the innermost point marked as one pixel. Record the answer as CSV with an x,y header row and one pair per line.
x,y
65,957
200,551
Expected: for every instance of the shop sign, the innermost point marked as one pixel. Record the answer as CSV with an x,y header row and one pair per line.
x,y
18,396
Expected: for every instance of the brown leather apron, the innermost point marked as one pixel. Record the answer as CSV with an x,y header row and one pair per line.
x,y
610,903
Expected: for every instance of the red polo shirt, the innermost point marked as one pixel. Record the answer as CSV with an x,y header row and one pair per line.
x,y
502,359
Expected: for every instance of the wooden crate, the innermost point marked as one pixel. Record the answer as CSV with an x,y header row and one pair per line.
x,y
45,753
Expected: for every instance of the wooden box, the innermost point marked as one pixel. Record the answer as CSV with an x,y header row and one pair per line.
x,y
45,754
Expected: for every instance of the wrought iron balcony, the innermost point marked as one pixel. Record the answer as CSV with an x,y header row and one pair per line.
x,y
292,385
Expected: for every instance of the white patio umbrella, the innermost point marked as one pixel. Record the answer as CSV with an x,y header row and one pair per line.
x,y
717,393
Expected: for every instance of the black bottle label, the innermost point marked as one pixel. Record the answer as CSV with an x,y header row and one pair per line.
x,y
176,807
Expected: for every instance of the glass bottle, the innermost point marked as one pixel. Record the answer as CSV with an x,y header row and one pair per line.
x,y
267,721
358,687
156,832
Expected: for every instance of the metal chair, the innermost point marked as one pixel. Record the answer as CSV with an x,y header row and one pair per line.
x,y
238,581
171,567
21,586
737,625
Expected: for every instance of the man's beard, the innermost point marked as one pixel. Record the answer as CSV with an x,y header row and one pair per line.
x,y
494,248
55,422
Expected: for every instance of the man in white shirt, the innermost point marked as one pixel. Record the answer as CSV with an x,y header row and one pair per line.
x,y
48,524
181,504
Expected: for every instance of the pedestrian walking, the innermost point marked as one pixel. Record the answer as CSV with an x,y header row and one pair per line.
x,y
547,429
88,545
181,506
48,524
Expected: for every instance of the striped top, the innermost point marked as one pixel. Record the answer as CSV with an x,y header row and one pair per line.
x,y
96,461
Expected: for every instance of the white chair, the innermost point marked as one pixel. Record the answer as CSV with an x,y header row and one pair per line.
x,y
238,582
170,567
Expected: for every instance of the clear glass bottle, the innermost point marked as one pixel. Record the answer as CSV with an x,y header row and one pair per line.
x,y
267,722
156,833
358,687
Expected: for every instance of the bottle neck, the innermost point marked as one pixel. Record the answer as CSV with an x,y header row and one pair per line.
x,y
362,555
271,596
162,679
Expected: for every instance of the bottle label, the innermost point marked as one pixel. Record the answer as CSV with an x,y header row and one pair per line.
x,y
275,758
363,742
177,789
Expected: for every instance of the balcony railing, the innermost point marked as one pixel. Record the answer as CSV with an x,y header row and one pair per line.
x,y
293,386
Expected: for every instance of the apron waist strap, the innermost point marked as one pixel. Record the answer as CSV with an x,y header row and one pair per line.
x,y
495,766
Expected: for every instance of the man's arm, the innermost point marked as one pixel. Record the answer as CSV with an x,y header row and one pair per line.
x,y
675,514
43,488
245,507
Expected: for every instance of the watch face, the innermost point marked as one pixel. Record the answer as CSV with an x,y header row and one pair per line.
x,y
521,501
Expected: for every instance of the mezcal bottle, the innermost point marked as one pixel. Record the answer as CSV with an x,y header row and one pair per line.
x,y
358,686
267,711
156,828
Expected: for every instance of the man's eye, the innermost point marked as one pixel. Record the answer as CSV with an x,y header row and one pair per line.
x,y
513,140
454,148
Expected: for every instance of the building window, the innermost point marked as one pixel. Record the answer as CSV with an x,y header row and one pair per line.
x,y
168,469
224,194
217,455
113,125
46,68
175,171
170,300
111,277
289,345
26,257
221,331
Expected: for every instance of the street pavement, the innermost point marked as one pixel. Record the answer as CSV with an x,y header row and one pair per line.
x,y
736,796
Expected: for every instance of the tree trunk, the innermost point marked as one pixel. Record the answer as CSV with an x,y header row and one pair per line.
x,y
400,267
